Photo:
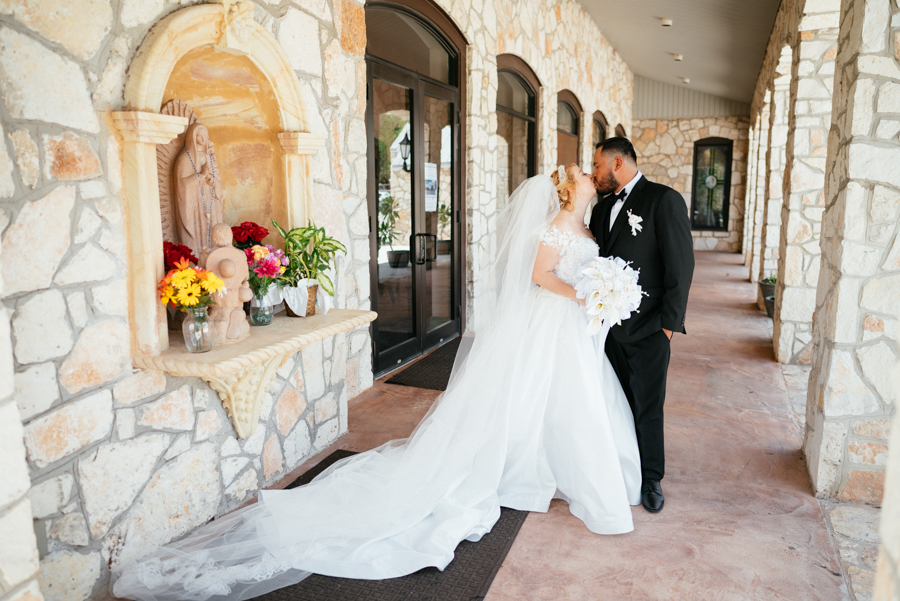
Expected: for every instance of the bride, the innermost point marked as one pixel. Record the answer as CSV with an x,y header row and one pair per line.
x,y
533,411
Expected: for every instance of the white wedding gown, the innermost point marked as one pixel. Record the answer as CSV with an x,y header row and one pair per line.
x,y
533,412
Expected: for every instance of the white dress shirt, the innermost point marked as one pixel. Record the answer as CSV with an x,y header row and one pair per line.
x,y
618,206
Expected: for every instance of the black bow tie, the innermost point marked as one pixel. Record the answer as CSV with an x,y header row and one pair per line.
x,y
620,196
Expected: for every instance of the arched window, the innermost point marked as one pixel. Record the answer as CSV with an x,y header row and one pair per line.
x,y
599,129
620,131
568,128
711,184
517,110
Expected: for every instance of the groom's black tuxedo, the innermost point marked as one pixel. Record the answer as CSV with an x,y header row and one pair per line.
x,y
638,348
662,250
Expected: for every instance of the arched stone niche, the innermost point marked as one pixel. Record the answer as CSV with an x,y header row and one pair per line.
x,y
201,30
224,34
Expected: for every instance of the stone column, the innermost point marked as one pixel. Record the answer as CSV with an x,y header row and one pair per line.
x,y
299,148
855,328
809,117
762,176
19,561
750,203
775,161
141,132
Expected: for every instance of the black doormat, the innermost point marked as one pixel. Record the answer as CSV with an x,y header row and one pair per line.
x,y
467,578
431,372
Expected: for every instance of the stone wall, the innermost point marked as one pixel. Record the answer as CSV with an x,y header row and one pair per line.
x,y
784,33
852,394
665,149
809,118
19,553
887,577
123,460
566,50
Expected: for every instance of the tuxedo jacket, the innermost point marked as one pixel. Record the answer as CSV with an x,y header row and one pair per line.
x,y
663,251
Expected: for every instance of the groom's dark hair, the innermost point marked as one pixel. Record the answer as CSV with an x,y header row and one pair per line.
x,y
618,146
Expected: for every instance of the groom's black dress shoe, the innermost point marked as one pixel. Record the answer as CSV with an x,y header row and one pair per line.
x,y
651,496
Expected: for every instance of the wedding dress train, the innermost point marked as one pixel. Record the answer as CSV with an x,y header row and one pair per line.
x,y
533,411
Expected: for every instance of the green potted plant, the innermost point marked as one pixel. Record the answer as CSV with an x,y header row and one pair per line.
x,y
387,233
767,288
444,244
310,252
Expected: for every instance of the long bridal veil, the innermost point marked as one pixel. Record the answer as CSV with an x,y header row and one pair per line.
x,y
398,508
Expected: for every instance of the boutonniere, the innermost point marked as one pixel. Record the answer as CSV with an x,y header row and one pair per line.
x,y
634,221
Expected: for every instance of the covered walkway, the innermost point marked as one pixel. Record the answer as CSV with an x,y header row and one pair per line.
x,y
740,520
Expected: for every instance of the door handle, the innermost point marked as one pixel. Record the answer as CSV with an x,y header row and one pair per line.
x,y
422,256
433,257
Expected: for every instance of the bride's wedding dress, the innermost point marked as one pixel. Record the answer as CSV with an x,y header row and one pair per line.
x,y
533,412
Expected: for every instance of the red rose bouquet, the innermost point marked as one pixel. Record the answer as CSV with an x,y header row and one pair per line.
x,y
248,234
175,253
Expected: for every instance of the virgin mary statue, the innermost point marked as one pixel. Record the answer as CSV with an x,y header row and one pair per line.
x,y
198,194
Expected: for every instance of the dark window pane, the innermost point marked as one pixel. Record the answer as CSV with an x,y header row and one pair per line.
x,y
513,94
514,145
567,148
599,133
391,106
566,119
710,196
402,40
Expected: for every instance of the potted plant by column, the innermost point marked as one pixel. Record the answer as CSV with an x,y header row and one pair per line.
x,y
387,234
309,252
767,288
191,290
444,244
266,265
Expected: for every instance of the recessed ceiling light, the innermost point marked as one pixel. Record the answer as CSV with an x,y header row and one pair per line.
x,y
685,80
666,22
678,57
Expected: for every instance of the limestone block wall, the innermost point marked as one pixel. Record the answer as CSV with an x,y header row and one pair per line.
x,y
887,576
775,165
122,460
665,149
809,118
852,394
784,33
566,50
758,205
19,553
750,204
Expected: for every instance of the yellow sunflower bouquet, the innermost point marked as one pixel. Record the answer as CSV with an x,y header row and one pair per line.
x,y
187,287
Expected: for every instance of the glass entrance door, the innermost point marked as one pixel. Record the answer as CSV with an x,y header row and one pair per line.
x,y
413,212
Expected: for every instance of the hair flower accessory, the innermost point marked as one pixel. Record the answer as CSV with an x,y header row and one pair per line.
x,y
561,173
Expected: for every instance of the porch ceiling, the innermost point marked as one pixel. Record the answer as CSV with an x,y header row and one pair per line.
x,y
722,41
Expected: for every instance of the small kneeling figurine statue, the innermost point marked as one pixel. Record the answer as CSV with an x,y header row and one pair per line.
x,y
227,316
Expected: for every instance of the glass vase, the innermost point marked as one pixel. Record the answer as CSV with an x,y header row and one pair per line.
x,y
261,310
198,334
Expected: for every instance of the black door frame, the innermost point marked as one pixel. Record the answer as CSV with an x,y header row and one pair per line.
x,y
420,87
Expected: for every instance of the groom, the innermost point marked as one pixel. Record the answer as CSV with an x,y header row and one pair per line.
x,y
646,224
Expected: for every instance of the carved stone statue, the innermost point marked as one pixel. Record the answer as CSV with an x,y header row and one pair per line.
x,y
188,179
228,319
198,197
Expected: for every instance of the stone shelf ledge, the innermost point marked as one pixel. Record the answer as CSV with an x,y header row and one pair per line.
x,y
241,372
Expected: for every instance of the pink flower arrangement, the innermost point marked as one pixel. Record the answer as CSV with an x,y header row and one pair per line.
x,y
266,264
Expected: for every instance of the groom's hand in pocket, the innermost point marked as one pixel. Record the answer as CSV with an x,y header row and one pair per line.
x,y
668,333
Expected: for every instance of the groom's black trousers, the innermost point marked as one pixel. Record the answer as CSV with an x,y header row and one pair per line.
x,y
641,367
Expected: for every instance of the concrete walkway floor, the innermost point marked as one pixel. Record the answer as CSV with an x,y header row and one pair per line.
x,y
740,521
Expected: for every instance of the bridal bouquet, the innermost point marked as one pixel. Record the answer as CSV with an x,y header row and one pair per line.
x,y
611,291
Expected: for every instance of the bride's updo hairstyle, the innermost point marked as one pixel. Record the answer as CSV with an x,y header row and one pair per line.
x,y
565,188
